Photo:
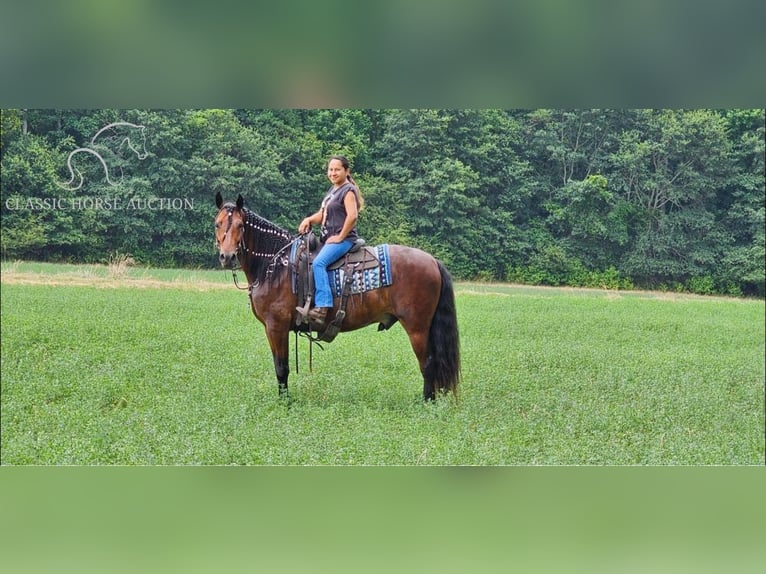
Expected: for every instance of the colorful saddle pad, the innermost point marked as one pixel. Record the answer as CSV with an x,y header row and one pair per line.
x,y
365,279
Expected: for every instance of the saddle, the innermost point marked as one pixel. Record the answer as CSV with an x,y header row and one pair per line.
x,y
359,258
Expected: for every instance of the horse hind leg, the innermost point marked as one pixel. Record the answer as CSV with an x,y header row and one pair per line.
x,y
438,355
429,387
419,342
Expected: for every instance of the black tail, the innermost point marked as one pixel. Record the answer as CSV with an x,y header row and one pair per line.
x,y
443,368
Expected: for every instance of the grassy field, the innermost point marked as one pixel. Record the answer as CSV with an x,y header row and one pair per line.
x,y
108,365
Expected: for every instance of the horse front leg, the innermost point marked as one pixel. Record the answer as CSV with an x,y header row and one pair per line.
x,y
282,369
279,343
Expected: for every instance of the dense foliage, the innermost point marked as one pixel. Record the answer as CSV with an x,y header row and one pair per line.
x,y
670,199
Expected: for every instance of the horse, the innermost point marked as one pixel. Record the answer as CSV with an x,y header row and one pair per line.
x,y
420,296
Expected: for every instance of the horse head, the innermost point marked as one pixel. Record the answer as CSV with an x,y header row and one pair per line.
x,y
229,230
138,148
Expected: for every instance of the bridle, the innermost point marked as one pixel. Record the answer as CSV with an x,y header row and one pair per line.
x,y
250,221
235,266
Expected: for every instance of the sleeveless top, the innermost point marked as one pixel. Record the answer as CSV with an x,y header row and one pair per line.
x,y
335,212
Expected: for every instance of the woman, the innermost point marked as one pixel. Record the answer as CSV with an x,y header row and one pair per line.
x,y
337,215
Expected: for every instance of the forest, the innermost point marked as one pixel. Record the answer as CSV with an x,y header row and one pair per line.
x,y
669,199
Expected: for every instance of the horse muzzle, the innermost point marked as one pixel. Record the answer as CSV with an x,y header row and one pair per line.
x,y
228,260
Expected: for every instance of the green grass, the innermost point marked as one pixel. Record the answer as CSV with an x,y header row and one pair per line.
x,y
173,375
112,272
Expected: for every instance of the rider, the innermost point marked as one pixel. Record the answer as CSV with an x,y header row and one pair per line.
x,y
337,215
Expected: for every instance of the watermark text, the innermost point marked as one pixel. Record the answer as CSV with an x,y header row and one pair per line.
x,y
99,204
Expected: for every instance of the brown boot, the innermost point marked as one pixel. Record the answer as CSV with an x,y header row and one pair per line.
x,y
318,316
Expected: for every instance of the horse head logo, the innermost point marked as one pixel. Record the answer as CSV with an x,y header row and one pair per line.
x,y
112,137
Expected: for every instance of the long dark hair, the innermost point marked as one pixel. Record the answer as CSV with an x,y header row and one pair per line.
x,y
347,166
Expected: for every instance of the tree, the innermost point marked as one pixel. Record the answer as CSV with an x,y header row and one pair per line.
x,y
442,194
671,170
37,218
742,202
590,220
660,197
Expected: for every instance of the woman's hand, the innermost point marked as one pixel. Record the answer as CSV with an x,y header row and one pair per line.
x,y
305,225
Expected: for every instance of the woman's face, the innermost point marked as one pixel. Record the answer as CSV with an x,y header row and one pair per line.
x,y
336,173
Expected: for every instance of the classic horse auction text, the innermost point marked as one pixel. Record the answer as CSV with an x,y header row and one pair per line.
x,y
99,203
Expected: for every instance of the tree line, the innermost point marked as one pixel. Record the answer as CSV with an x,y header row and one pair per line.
x,y
668,199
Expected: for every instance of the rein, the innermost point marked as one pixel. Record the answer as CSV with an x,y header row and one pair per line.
x,y
272,265
251,221
236,283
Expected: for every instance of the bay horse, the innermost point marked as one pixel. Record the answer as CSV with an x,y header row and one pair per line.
x,y
420,296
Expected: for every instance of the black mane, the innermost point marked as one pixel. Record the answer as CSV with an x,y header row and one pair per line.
x,y
263,246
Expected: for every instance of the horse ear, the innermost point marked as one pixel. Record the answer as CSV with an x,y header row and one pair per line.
x,y
218,200
240,201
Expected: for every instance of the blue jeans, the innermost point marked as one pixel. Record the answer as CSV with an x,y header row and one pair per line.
x,y
328,255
